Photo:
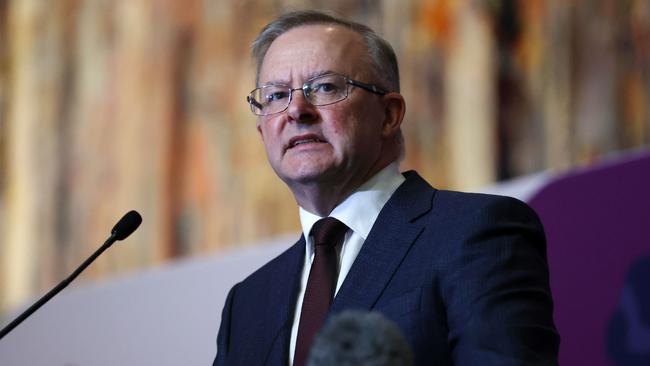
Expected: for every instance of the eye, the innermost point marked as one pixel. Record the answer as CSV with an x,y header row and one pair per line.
x,y
325,87
275,95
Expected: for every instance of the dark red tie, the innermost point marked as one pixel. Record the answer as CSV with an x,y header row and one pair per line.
x,y
327,233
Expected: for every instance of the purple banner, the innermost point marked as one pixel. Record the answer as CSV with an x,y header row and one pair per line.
x,y
597,223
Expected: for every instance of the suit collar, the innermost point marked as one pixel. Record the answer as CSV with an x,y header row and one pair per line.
x,y
392,235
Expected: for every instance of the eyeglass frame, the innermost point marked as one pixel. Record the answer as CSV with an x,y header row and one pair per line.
x,y
306,84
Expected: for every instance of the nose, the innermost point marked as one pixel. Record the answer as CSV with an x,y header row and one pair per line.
x,y
300,110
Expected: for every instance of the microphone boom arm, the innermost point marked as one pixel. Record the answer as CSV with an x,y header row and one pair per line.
x,y
63,284
122,229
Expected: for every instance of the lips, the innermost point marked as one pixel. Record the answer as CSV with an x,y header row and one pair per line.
x,y
304,139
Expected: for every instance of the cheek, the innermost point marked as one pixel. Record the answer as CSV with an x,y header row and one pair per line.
x,y
361,126
268,131
340,129
264,136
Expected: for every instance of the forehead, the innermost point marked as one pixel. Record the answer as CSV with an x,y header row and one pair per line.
x,y
305,51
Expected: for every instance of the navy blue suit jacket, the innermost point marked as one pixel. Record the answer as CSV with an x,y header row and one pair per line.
x,y
463,275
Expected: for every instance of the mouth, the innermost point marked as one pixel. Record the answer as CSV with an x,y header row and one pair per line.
x,y
303,140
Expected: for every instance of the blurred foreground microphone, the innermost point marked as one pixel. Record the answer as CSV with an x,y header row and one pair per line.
x,y
356,338
125,227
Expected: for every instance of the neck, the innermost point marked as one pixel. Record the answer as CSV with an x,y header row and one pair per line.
x,y
320,197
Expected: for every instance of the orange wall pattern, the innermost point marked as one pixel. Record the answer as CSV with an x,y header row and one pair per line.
x,y
107,106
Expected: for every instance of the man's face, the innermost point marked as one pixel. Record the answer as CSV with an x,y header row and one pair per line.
x,y
340,143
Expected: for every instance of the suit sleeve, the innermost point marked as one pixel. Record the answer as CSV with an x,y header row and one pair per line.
x,y
223,337
497,293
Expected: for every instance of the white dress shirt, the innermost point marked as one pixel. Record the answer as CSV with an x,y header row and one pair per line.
x,y
359,212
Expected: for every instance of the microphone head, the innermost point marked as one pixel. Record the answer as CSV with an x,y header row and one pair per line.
x,y
357,338
127,225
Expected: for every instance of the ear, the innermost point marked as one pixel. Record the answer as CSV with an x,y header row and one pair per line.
x,y
259,128
395,108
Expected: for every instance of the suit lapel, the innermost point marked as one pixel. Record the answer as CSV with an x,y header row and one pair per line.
x,y
390,239
281,307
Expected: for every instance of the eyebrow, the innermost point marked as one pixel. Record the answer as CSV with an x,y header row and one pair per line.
x,y
312,75
319,73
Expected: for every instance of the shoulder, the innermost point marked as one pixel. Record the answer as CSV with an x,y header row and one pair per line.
x,y
451,217
453,207
471,217
482,205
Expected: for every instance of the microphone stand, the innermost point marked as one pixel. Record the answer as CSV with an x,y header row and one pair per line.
x,y
63,284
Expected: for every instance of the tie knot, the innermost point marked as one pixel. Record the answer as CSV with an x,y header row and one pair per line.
x,y
328,231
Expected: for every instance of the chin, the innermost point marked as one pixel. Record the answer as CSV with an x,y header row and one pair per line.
x,y
307,175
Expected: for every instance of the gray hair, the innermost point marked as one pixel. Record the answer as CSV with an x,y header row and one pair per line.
x,y
382,56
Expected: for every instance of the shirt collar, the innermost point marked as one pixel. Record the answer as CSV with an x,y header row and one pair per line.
x,y
360,209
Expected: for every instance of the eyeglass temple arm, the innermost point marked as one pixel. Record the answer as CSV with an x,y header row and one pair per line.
x,y
369,87
253,102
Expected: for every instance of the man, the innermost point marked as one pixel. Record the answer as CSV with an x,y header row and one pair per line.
x,y
464,276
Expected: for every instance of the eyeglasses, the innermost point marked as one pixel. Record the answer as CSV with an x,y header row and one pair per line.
x,y
319,91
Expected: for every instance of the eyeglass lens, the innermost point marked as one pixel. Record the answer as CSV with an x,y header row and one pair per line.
x,y
322,90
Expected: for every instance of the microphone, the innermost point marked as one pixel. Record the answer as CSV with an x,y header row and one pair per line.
x,y
361,339
125,227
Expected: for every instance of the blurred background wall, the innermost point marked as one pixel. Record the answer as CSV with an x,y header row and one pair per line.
x,y
107,106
